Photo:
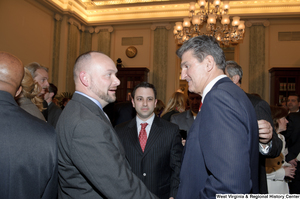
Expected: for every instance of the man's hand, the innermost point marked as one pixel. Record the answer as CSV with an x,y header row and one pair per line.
x,y
265,131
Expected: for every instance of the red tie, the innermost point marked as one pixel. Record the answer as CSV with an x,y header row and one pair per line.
x,y
143,136
200,106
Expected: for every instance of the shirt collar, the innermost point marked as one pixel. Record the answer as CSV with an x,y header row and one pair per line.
x,y
94,100
210,85
149,121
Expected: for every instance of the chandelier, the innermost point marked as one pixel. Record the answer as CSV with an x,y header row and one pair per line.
x,y
210,12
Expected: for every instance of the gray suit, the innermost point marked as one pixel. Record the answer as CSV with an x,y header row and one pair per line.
x,y
92,162
184,120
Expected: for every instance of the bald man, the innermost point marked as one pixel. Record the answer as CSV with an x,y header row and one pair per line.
x,y
92,162
28,152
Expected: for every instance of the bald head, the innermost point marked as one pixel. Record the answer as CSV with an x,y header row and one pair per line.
x,y
11,73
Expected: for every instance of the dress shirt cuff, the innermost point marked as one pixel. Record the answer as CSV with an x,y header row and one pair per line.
x,y
265,151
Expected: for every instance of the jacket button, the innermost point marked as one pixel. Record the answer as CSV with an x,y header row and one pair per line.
x,y
144,174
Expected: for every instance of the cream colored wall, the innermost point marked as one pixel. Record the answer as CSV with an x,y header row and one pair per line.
x,y
26,31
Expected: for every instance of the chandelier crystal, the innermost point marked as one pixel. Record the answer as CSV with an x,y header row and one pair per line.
x,y
210,12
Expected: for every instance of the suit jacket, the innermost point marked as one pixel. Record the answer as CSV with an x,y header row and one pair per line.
x,y
28,106
168,115
159,166
54,112
221,151
184,120
92,162
263,112
28,154
292,136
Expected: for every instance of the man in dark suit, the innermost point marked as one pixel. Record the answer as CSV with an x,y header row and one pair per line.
x,y
92,162
221,153
28,151
185,119
54,111
269,143
292,136
157,163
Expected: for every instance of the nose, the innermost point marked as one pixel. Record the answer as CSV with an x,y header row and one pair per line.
x,y
117,81
47,83
286,120
183,73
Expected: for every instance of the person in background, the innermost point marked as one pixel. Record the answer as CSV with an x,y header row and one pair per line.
x,y
293,103
39,74
152,145
64,102
28,98
160,106
176,104
28,146
269,144
54,111
277,169
221,155
92,161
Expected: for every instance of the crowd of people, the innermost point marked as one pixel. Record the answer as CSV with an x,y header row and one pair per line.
x,y
220,140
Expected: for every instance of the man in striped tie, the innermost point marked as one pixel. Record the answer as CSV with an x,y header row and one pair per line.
x,y
152,145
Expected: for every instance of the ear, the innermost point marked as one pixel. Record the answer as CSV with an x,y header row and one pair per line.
x,y
84,78
132,101
51,95
235,79
155,103
18,91
210,63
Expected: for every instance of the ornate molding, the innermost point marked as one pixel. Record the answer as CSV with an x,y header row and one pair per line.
x,y
99,28
265,23
87,29
58,17
161,25
74,22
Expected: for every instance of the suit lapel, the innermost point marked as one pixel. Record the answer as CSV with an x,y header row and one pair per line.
x,y
190,117
133,136
155,132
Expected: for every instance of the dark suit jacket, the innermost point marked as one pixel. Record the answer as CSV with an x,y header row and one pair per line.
x,y
28,154
184,120
159,166
92,162
263,112
221,152
53,114
292,136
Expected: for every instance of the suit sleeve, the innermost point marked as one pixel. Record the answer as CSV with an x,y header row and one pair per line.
x,y
175,162
225,144
263,112
97,156
292,136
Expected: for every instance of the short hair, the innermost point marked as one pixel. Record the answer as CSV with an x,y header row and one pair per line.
x,y
81,61
277,113
144,85
52,89
203,46
294,94
233,69
32,67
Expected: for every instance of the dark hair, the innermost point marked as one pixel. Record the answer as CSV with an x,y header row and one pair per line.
x,y
233,69
277,113
144,85
202,46
52,89
294,94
